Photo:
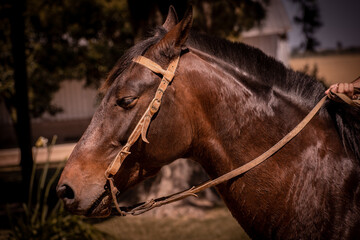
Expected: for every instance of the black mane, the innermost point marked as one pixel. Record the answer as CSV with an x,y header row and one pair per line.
x,y
274,73
347,119
266,69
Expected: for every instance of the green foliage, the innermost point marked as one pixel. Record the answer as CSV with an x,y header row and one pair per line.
x,y
39,221
6,71
65,40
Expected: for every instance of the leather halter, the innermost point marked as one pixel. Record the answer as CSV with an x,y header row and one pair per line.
x,y
143,125
144,122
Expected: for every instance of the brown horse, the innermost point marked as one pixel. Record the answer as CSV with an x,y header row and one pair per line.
x,y
227,104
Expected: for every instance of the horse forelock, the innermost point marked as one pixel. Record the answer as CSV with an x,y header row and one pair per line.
x,y
126,59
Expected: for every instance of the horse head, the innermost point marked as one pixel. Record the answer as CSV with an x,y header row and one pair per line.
x,y
128,91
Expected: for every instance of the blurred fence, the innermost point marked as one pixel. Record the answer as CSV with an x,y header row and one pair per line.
x,y
78,104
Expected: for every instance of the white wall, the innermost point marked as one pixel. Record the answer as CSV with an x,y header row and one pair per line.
x,y
76,101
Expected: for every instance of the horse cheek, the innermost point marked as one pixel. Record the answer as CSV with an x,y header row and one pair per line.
x,y
170,139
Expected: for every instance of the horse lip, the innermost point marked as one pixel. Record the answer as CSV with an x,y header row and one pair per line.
x,y
72,206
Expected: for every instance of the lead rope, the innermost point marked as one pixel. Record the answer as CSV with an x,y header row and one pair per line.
x,y
143,124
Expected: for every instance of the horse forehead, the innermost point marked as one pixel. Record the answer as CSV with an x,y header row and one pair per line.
x,y
132,78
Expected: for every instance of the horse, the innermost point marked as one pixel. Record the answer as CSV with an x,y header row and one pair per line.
x,y
228,103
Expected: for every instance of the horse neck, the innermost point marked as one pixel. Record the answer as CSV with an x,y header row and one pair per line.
x,y
236,119
233,122
296,193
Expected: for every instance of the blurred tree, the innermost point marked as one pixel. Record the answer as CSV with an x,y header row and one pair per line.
x,y
309,20
65,40
222,18
83,39
59,40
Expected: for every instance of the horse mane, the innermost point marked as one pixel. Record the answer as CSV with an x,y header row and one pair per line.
x,y
347,119
274,74
266,70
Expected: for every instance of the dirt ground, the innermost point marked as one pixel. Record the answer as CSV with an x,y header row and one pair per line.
x,y
217,224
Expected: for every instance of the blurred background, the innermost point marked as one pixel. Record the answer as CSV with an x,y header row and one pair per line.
x,y
54,54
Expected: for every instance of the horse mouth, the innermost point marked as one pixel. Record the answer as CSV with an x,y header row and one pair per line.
x,y
101,207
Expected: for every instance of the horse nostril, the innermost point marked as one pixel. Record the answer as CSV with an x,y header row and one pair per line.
x,y
65,192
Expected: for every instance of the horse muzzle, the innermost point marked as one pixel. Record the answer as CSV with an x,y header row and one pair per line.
x,y
89,203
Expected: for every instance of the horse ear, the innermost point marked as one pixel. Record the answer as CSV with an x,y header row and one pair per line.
x,y
173,41
171,19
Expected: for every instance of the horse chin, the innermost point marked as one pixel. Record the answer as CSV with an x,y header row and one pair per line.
x,y
101,213
100,209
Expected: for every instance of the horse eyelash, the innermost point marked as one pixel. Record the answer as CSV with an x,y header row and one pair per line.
x,y
126,105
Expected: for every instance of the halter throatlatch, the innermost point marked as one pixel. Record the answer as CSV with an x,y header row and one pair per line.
x,y
143,125
144,122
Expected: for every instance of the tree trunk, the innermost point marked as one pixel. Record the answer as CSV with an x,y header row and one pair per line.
x,y
23,129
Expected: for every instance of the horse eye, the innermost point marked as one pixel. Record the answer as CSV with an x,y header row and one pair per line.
x,y
127,102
